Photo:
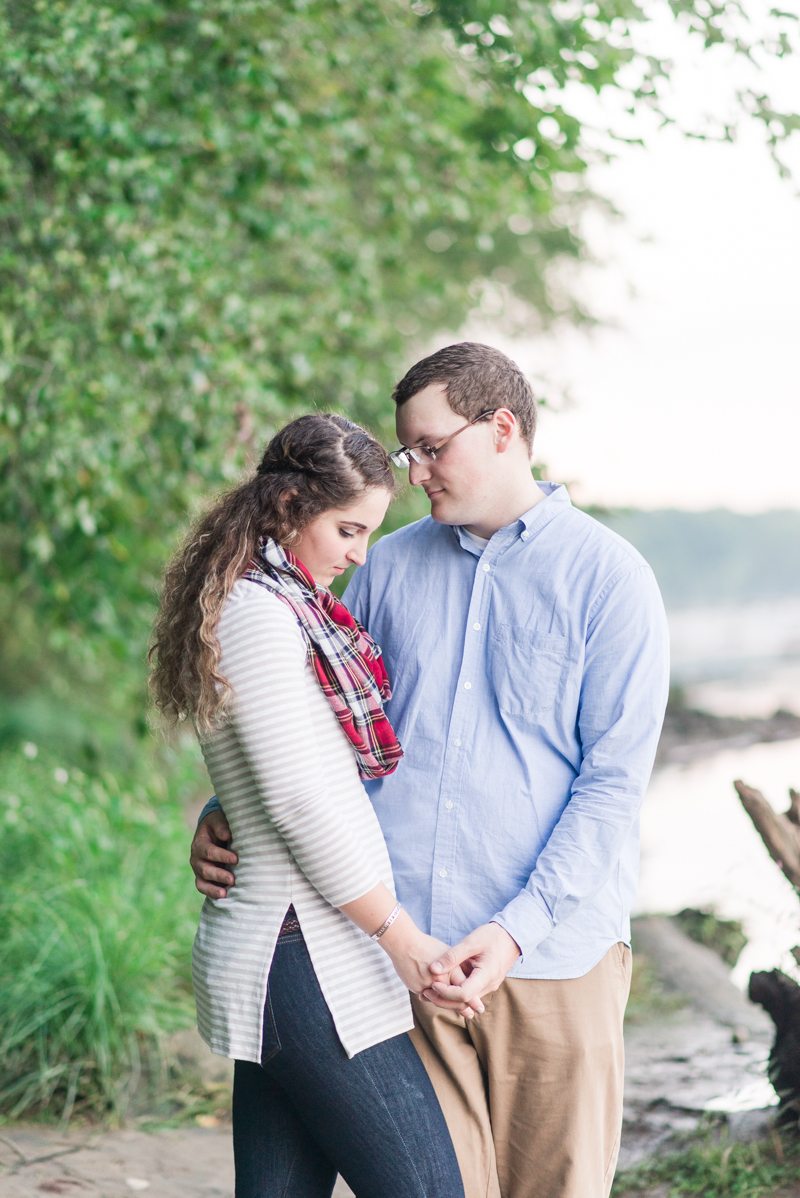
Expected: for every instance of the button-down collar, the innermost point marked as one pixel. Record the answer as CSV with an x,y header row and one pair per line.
x,y
529,522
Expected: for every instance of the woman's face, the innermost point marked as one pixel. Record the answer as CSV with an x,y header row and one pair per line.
x,y
339,538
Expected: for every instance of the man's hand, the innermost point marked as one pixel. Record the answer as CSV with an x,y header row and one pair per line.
x,y
209,853
485,956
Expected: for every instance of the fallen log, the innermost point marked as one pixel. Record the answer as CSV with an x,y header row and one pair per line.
x,y
780,832
777,993
794,811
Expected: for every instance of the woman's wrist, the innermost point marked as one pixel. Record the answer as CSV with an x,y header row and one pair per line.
x,y
399,935
387,923
372,911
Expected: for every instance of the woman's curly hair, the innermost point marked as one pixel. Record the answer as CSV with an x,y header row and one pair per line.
x,y
315,463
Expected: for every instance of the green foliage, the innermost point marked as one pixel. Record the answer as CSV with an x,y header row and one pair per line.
x,y
713,1168
217,214
724,936
98,914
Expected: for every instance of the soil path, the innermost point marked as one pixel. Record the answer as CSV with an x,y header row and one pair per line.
x,y
177,1163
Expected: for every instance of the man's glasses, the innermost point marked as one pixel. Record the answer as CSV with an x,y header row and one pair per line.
x,y
404,456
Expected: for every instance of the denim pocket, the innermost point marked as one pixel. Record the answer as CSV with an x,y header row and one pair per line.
x,y
526,669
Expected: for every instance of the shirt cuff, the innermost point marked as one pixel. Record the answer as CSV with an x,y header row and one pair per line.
x,y
213,804
526,921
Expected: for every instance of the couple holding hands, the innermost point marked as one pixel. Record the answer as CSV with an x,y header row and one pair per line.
x,y
418,957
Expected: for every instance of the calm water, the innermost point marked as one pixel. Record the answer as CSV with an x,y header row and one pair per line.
x,y
699,847
729,642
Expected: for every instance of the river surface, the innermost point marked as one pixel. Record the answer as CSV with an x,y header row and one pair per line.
x,y
699,847
732,641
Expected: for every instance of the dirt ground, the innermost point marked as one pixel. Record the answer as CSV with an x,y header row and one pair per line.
x,y
179,1163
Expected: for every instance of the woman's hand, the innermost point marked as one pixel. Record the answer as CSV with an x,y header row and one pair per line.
x,y
412,952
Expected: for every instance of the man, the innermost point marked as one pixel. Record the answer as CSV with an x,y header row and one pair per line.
x,y
527,649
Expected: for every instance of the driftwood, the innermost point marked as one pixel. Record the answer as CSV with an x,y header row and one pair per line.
x,y
778,994
780,832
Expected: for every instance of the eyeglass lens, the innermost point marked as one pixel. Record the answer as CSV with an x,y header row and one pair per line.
x,y
427,453
403,457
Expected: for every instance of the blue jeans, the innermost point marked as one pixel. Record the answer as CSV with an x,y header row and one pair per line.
x,y
307,1113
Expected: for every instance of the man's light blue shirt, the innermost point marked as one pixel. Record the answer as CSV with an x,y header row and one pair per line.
x,y
529,684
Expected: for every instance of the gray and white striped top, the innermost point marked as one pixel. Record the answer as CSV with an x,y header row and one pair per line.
x,y
306,834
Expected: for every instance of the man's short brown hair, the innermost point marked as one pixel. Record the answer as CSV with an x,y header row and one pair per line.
x,y
477,379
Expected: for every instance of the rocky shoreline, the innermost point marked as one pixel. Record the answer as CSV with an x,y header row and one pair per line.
x,y
689,735
705,1059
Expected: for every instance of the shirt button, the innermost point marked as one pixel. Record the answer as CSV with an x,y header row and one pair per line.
x,y
486,569
442,873
525,536
449,805
467,686
457,743
477,627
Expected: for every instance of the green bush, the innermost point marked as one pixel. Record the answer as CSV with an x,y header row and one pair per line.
x,y
724,936
98,914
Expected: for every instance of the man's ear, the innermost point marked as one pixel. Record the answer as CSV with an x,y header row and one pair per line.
x,y
506,429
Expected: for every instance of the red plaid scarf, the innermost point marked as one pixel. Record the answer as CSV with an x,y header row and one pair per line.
x,y
346,660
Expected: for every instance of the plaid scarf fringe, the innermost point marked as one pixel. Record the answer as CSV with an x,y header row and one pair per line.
x,y
347,662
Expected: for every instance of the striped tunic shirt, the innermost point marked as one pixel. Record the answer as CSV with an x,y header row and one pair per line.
x,y
306,835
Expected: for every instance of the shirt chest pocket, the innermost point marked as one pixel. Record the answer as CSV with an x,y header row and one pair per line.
x,y
526,669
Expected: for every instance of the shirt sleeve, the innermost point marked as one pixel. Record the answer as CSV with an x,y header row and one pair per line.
x,y
213,804
264,660
623,697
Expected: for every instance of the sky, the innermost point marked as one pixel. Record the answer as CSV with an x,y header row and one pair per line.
x,y
689,396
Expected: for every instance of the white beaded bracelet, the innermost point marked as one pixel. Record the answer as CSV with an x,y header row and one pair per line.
x,y
385,927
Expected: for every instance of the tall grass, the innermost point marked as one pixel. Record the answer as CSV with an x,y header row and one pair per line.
x,y
97,915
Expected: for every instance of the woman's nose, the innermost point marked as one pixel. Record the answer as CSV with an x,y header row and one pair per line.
x,y
357,555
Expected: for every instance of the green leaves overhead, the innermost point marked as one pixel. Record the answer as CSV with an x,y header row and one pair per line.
x,y
216,215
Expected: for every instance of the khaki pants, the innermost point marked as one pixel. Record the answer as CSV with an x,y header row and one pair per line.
x,y
532,1089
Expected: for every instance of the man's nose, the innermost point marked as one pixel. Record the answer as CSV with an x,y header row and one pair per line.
x,y
418,473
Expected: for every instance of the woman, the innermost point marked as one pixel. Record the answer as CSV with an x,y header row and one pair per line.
x,y
302,972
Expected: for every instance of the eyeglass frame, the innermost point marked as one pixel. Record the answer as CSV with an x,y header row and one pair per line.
x,y
410,452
